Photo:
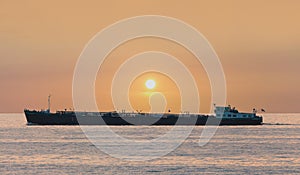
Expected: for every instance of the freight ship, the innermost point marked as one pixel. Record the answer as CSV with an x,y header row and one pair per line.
x,y
223,116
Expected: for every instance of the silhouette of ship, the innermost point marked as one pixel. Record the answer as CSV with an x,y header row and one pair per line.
x,y
223,116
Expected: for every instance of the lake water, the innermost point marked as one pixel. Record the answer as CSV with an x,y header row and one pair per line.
x,y
272,148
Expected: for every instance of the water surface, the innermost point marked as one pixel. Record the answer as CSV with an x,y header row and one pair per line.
x,y
270,148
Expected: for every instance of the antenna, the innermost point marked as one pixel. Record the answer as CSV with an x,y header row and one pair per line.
x,y
49,102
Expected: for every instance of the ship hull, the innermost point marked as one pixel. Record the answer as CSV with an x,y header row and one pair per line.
x,y
70,118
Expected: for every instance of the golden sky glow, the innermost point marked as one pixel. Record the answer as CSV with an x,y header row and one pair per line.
x,y
258,43
140,95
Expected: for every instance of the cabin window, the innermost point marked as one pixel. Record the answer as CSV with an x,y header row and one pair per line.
x,y
229,115
234,115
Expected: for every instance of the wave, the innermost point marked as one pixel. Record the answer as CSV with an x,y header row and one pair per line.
x,y
280,124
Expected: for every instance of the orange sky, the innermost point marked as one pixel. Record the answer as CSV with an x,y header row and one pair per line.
x,y
258,43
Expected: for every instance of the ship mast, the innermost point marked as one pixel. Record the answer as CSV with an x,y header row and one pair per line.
x,y
49,102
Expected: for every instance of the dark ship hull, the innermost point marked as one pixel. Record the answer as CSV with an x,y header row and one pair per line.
x,y
112,118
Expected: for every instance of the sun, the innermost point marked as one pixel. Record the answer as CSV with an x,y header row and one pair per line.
x,y
150,84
